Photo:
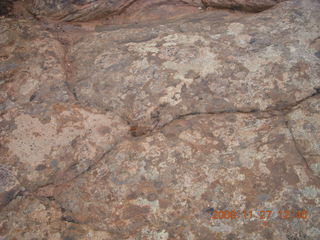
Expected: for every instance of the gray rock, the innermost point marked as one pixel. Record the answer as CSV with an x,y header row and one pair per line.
x,y
9,186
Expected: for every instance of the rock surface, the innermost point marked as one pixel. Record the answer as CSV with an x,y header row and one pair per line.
x,y
78,9
304,122
246,5
83,10
165,182
32,66
143,130
6,7
213,64
53,143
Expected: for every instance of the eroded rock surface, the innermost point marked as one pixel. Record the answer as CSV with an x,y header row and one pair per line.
x,y
9,186
78,9
304,124
213,64
54,143
6,7
144,130
83,10
164,183
31,65
35,218
246,5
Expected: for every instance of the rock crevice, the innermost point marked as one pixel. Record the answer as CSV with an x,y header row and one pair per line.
x,y
140,119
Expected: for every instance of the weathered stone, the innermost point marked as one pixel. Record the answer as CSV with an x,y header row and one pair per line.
x,y
305,126
52,143
146,11
32,65
33,218
144,130
246,5
9,186
6,7
163,183
79,10
151,75
84,10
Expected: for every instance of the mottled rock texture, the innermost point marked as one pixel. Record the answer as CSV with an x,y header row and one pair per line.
x,y
213,64
78,9
32,65
140,125
304,124
165,182
6,7
245,5
54,143
83,10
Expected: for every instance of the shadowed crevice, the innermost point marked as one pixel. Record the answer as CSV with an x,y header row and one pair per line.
x,y
6,7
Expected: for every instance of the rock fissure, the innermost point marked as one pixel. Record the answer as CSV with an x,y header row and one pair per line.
x,y
297,146
271,111
269,115
130,119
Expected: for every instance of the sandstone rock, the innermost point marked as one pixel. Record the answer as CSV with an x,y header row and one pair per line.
x,y
143,130
83,10
6,7
151,75
9,186
78,9
35,218
246,5
31,65
163,184
47,144
146,11
305,126
124,11
32,219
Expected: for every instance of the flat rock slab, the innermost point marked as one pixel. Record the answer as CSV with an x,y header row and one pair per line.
x,y
167,183
46,144
32,65
42,219
205,127
304,124
151,75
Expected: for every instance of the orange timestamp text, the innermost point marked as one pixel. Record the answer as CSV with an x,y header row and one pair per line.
x,y
259,214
